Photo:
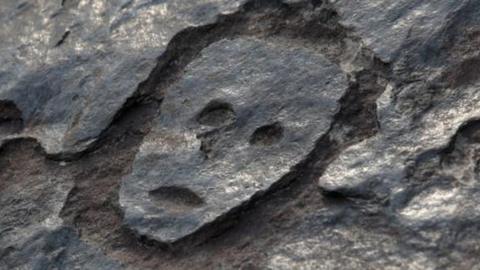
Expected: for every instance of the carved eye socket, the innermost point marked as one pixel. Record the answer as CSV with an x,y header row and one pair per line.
x,y
267,135
176,199
9,111
10,117
217,113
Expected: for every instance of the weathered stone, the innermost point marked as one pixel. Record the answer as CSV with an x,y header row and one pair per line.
x,y
32,233
392,183
414,118
243,115
410,164
54,249
389,27
70,67
332,238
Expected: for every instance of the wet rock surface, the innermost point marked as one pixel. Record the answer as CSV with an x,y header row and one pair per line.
x,y
225,134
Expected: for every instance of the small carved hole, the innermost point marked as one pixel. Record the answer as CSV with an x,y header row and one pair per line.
x,y
176,199
267,135
216,114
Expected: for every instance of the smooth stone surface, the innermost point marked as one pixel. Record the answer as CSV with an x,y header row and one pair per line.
x,y
241,117
70,68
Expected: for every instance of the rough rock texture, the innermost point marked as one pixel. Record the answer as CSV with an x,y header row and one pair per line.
x,y
71,65
239,134
242,115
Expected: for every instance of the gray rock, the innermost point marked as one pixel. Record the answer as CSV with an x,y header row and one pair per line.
x,y
388,27
414,117
243,115
55,249
69,68
331,239
234,123
409,164
32,233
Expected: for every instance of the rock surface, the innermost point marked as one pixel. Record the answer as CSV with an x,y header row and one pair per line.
x,y
71,65
241,117
419,120
239,134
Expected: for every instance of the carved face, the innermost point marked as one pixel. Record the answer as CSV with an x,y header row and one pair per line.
x,y
240,118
